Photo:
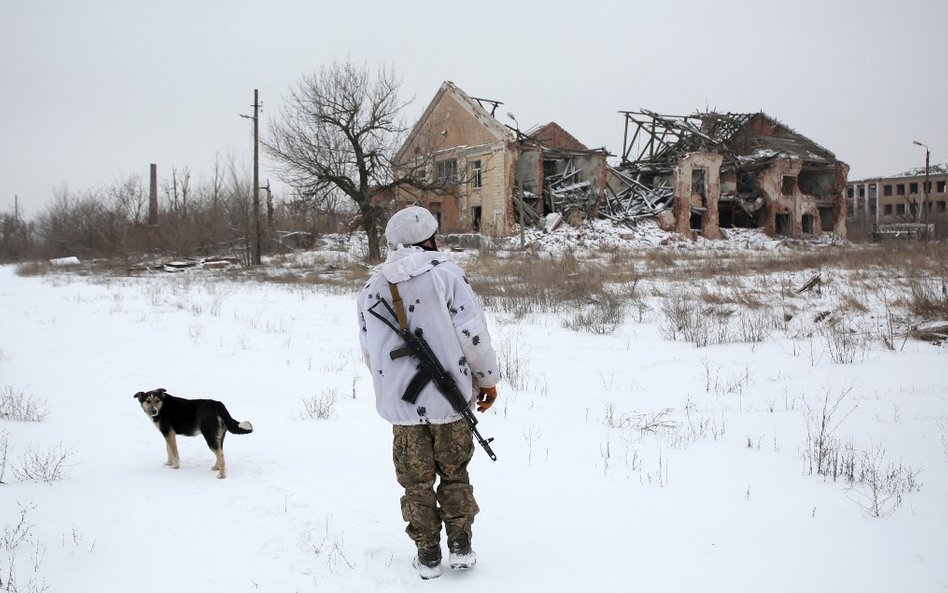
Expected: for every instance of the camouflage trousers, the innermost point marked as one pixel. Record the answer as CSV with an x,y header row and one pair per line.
x,y
422,453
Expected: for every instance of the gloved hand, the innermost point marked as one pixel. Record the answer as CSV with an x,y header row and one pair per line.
x,y
486,398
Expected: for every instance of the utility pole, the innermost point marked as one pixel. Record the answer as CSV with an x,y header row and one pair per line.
x,y
256,175
269,208
924,216
519,184
255,259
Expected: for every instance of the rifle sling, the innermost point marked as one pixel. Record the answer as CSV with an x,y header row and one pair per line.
x,y
399,307
422,377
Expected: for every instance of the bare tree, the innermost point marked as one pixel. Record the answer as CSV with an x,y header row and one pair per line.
x,y
338,132
130,196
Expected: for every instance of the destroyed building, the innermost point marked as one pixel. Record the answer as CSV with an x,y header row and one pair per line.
x,y
477,174
709,171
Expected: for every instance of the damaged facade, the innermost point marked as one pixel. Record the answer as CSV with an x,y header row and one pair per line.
x,y
476,174
710,171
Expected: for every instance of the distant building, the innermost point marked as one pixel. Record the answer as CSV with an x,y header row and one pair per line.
x,y
900,198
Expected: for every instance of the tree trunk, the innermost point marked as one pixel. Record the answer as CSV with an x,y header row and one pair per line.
x,y
370,226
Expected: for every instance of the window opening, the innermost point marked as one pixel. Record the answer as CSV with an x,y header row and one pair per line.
x,y
446,172
789,181
476,174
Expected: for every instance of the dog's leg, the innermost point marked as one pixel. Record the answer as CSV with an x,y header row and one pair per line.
x,y
219,466
215,442
172,444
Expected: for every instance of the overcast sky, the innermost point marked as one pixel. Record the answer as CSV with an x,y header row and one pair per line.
x,y
94,91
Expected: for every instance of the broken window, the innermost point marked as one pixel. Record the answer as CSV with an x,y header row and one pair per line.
x,y
872,191
818,183
941,206
900,209
900,189
549,168
886,190
928,187
446,172
862,189
913,188
747,183
850,192
789,182
476,219
476,175
698,183
887,210
941,187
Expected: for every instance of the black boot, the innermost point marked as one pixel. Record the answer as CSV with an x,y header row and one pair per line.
x,y
428,562
461,556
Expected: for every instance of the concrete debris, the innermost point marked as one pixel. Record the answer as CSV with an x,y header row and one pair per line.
x,y
569,190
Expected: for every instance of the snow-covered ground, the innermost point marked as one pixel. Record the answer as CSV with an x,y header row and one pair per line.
x,y
626,461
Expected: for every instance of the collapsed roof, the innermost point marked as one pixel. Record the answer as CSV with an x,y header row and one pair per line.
x,y
741,138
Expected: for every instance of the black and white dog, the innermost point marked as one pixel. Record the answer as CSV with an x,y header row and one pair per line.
x,y
177,415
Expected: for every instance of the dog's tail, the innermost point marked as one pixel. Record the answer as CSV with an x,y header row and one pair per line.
x,y
233,426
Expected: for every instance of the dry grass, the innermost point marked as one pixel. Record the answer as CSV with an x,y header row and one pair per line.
x,y
527,283
29,269
696,289
927,301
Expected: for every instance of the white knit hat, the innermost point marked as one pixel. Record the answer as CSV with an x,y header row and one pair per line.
x,y
409,226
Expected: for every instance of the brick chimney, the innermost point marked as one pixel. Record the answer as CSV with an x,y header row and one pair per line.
x,y
153,197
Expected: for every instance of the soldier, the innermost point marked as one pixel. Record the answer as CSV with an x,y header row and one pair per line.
x,y
431,440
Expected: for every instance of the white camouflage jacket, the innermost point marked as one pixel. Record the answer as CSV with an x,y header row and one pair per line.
x,y
440,304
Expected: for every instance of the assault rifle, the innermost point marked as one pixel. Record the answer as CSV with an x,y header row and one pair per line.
x,y
430,370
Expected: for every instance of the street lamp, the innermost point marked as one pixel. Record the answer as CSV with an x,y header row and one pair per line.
x,y
519,186
927,154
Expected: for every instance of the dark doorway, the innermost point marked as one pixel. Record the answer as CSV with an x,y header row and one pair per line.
x,y
784,225
807,224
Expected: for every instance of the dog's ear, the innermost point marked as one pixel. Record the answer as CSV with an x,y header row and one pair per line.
x,y
161,390
139,396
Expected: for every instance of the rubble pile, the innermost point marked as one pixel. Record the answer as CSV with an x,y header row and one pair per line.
x,y
604,234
